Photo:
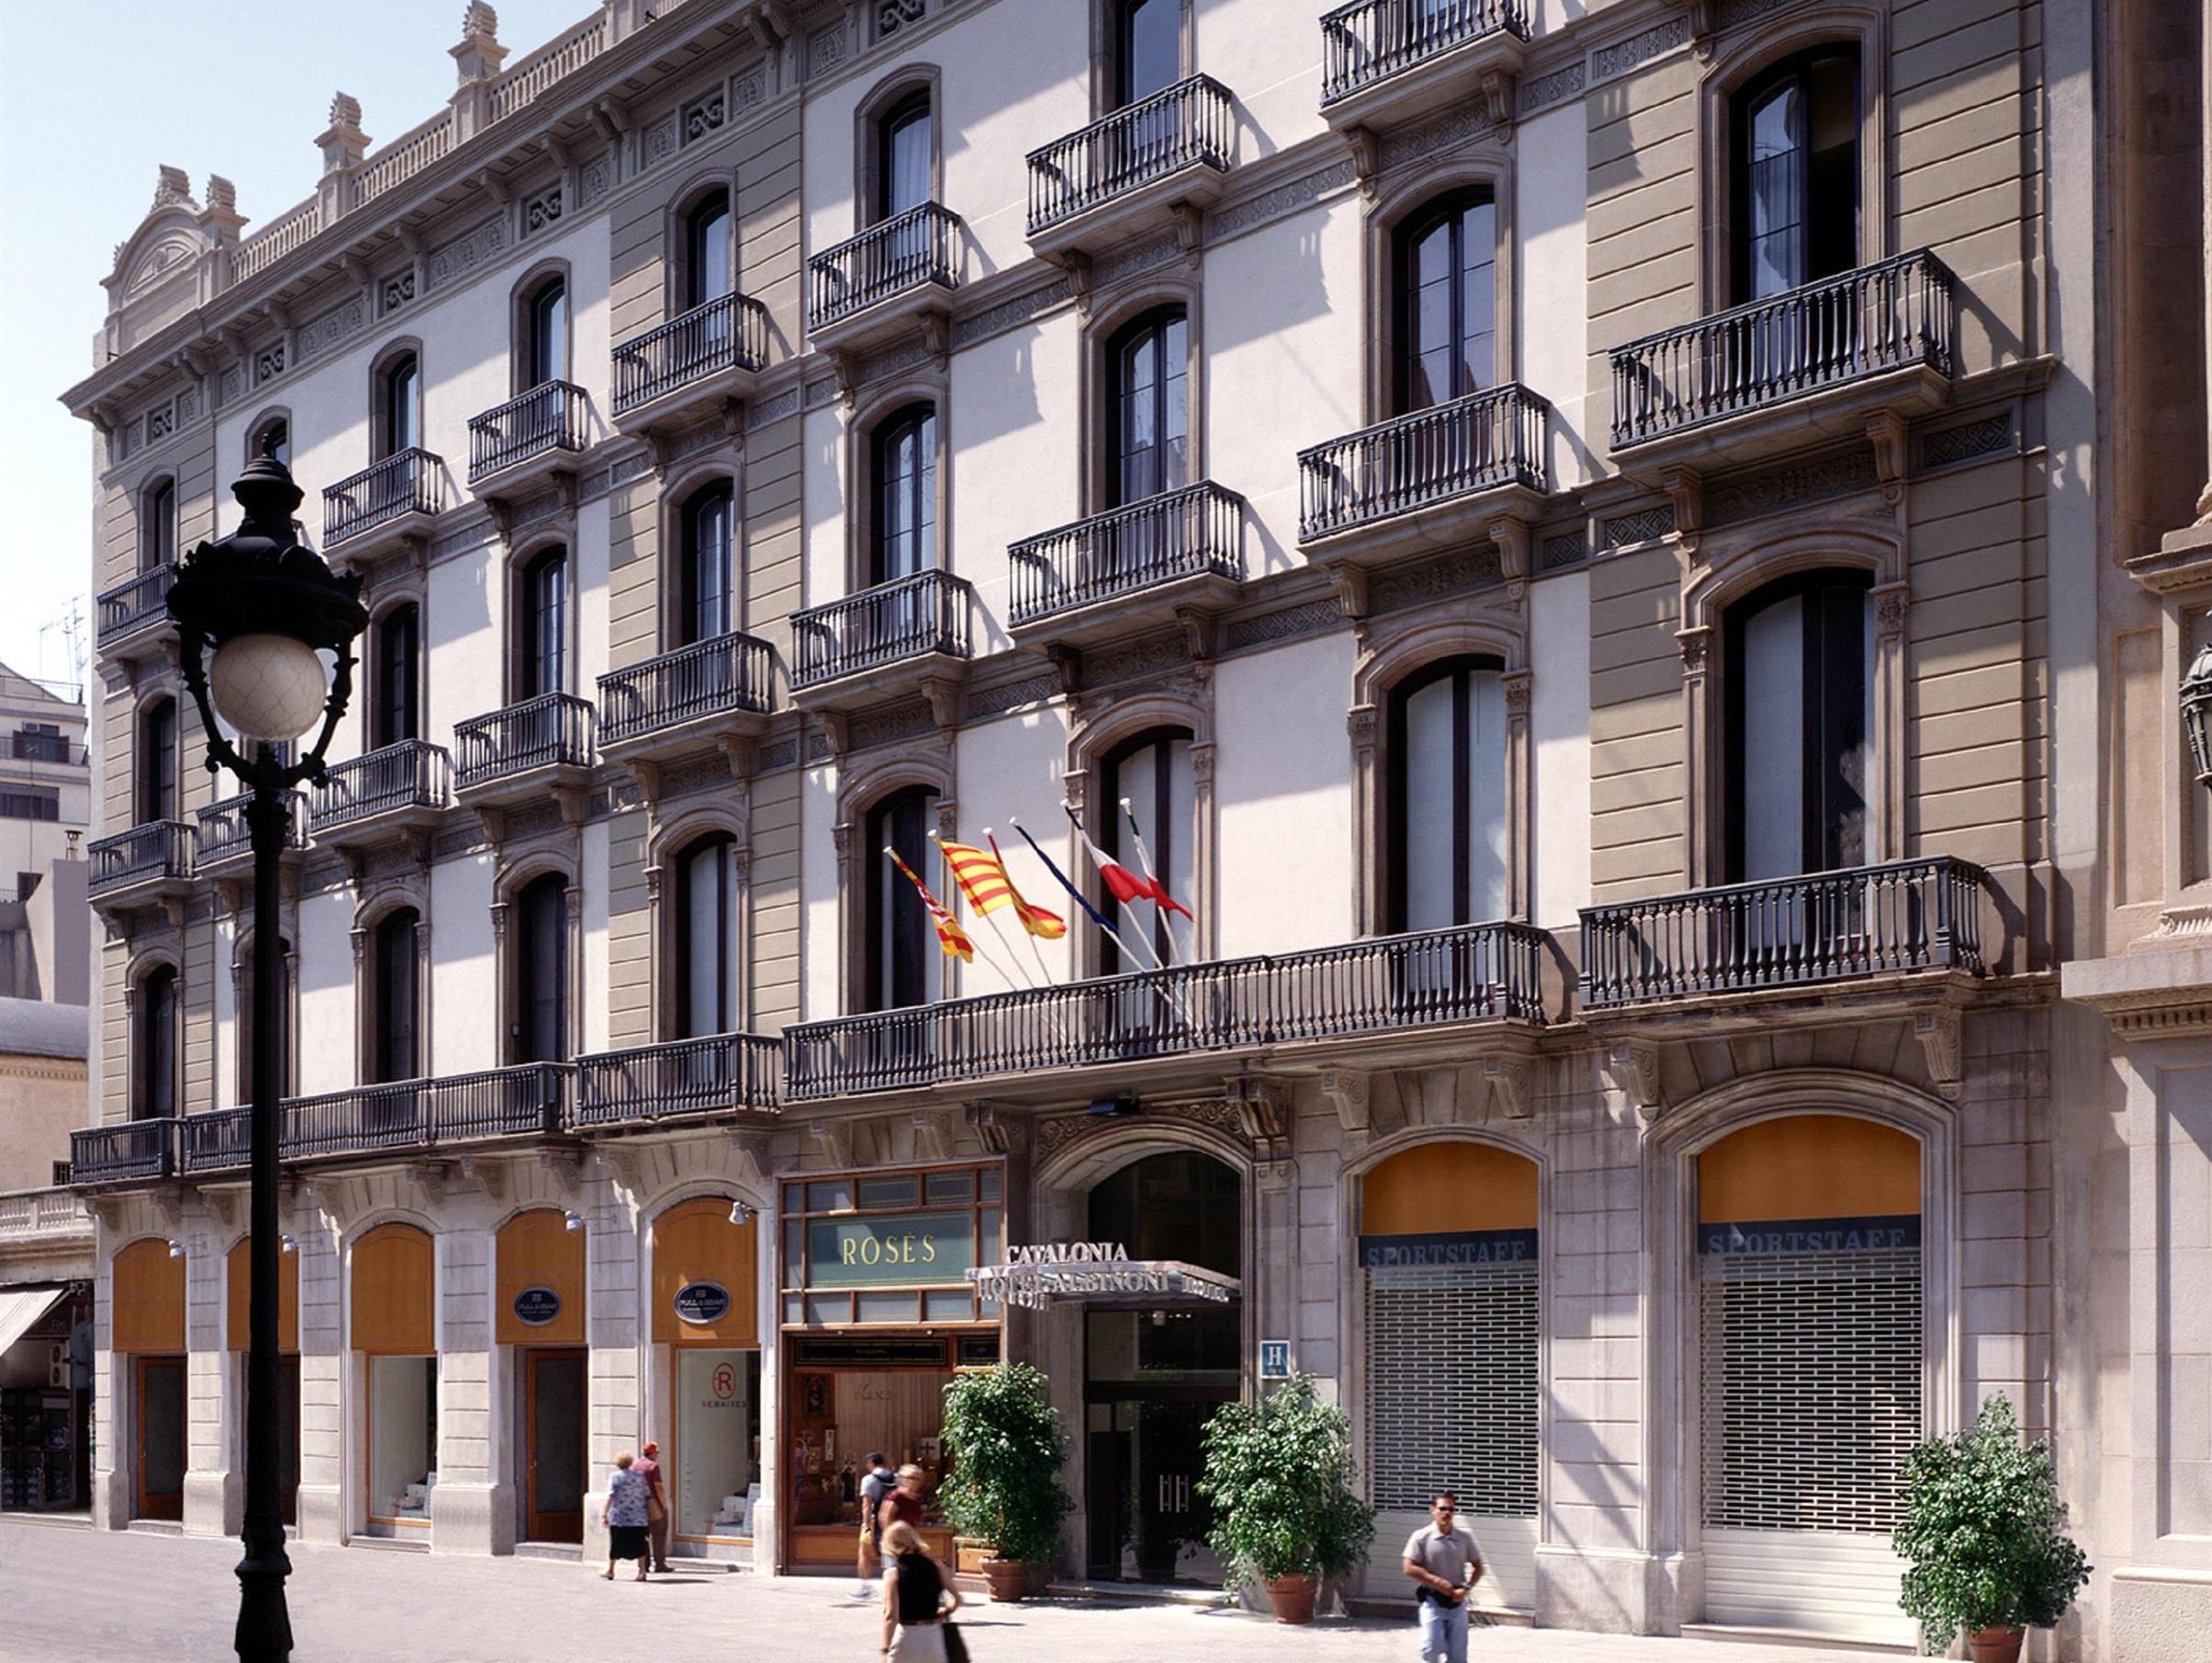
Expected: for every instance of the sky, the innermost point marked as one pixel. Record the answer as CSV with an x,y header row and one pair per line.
x,y
86,120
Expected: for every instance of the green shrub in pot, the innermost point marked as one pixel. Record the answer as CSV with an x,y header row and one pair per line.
x,y
1280,1479
1003,1439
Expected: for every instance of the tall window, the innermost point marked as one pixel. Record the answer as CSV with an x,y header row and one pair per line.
x,y
1446,754
395,1015
905,451
1148,48
1151,406
904,965
541,1015
542,651
157,526
1795,173
401,394
706,250
395,703
709,569
903,146
1154,772
547,346
273,438
707,938
1447,262
1800,725
245,1023
156,1046
157,763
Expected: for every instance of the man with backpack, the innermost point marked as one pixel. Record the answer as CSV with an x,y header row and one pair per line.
x,y
877,1484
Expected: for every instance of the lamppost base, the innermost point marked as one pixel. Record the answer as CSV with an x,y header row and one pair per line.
x,y
264,1631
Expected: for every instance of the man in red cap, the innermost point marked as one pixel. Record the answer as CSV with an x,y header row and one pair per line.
x,y
656,1504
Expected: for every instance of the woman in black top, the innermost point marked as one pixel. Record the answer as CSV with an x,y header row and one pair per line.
x,y
915,1598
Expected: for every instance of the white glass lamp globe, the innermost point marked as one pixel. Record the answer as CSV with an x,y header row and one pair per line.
x,y
269,687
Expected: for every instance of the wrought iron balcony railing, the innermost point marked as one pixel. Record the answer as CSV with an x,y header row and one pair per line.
x,y
160,849
909,250
1369,40
27,747
1185,534
213,1141
553,730
1190,124
1476,444
133,603
406,482
410,774
924,613
1472,973
682,1077
550,417
224,834
1785,932
727,673
1896,315
131,1149
729,332
528,1099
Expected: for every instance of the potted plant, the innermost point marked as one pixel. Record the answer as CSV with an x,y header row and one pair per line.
x,y
1984,1533
1003,1439
1278,1478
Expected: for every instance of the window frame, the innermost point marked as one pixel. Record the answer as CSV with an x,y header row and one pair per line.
x,y
889,899
1444,208
1448,667
393,397
379,734
152,1068
532,957
1155,321
907,86
676,1016
261,424
524,636
1159,736
380,1027
1744,101
684,630
241,1016
522,319
922,416
157,523
145,787
690,224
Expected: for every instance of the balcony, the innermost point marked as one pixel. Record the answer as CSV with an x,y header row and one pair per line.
x,y
711,353
44,1217
1802,368
135,613
1119,570
220,1142
1787,933
411,1116
681,701
148,863
540,746
685,1079
876,285
895,634
1136,168
225,843
400,791
385,507
124,1152
540,433
1388,62
1434,478
1423,986
54,750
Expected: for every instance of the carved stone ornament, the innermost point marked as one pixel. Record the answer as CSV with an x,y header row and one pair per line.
x,y
1347,1093
1000,1130
834,1138
1635,1069
1938,1032
1507,1082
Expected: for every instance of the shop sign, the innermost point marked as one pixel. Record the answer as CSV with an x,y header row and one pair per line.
x,y
1447,1247
1275,1360
701,1303
1033,1276
895,1250
1872,1235
536,1306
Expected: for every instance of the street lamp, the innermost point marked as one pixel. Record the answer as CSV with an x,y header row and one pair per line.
x,y
2196,712
268,611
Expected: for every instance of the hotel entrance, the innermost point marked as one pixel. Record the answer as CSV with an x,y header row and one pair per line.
x,y
540,1325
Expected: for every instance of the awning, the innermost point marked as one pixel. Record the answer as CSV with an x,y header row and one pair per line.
x,y
1034,1283
21,1307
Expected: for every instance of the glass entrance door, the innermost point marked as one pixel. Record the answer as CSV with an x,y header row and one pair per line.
x,y
1143,1460
554,1396
160,1437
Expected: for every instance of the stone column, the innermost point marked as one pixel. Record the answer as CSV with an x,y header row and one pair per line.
x,y
323,1421
615,1334
214,1492
471,1512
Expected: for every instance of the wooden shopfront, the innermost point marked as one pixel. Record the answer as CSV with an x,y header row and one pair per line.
x,y
877,1316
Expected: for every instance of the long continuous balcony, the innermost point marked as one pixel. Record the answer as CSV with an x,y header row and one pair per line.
x,y
58,749
883,276
409,783
531,1099
685,1078
1885,329
1398,58
730,675
708,352
1784,933
1179,542
1432,460
226,838
540,432
121,1152
1437,978
898,624
154,857
135,607
1104,178
549,733
397,496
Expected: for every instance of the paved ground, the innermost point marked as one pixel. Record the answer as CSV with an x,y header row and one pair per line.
x,y
74,1595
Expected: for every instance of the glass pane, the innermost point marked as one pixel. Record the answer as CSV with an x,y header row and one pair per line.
x,y
1772,767
795,1307
886,1307
1428,877
1485,807
993,1248
948,1307
835,1196
794,1247
1151,48
794,1199
833,1308
991,1182
890,1192
945,1188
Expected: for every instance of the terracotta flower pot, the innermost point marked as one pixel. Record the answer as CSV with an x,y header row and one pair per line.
x,y
1294,1597
1008,1580
1996,1645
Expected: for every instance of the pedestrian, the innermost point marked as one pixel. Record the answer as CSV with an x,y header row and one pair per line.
x,y
874,1486
903,1505
1445,1564
624,1516
656,1503
915,1595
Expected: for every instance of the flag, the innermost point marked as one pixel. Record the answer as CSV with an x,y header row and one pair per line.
x,y
1082,900
984,880
1125,885
950,935
1159,890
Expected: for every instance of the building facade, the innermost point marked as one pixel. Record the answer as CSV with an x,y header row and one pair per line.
x,y
1571,540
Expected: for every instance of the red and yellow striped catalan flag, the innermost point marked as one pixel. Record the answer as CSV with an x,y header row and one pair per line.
x,y
983,878
950,935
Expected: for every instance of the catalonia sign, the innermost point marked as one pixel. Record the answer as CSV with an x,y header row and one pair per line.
x,y
1035,1275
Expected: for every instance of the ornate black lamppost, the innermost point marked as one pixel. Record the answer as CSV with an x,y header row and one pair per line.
x,y
2196,712
271,612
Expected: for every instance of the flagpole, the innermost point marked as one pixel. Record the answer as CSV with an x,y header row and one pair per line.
x,y
1034,950
1082,900
1144,858
990,918
1172,999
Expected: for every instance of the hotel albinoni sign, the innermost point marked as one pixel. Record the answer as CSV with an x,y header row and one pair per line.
x,y
1035,1275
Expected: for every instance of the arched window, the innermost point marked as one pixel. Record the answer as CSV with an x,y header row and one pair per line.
x,y
1154,772
157,526
546,345
542,643
904,146
400,394
1148,48
272,438
1447,322
904,465
1799,706
708,270
157,763
707,938
395,677
540,1027
395,998
1150,406
709,569
903,964
245,1022
1794,174
1446,754
154,1085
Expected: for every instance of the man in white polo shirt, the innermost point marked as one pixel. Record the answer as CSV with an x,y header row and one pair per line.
x,y
1445,1564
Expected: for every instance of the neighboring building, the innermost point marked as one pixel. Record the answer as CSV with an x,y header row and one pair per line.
x,y
1582,541
45,811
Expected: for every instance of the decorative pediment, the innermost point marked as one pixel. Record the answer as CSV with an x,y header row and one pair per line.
x,y
163,257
